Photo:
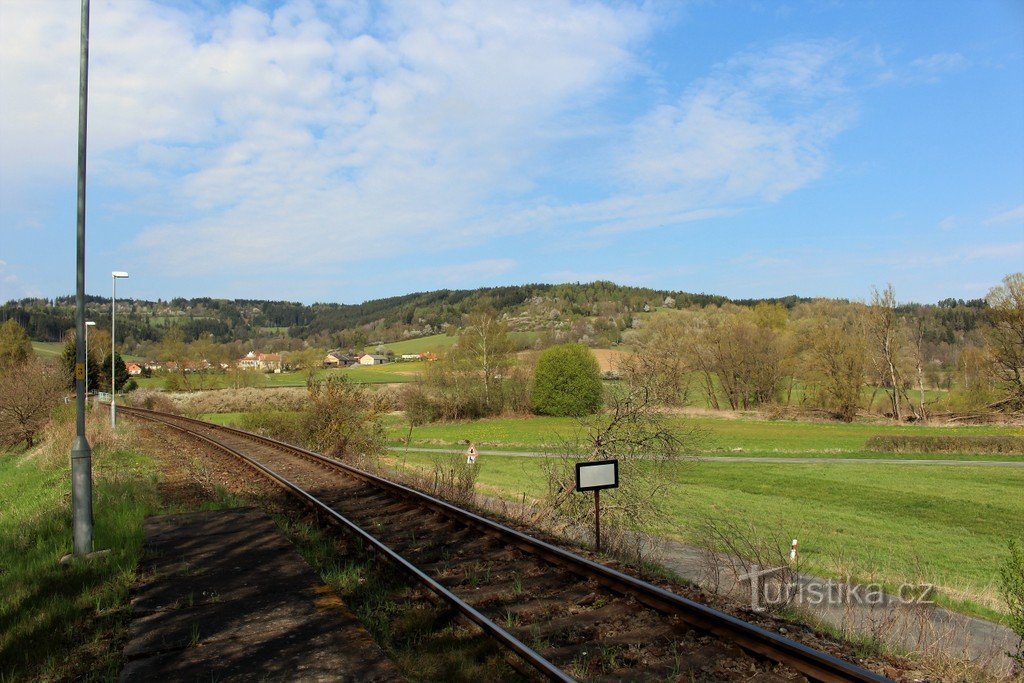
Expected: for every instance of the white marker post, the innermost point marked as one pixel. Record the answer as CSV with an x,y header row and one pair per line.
x,y
792,551
594,476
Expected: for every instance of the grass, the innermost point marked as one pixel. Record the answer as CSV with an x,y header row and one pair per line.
x,y
721,436
944,525
58,621
435,342
47,350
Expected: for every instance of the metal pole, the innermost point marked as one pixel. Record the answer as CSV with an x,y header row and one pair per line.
x,y
597,519
87,362
113,400
81,454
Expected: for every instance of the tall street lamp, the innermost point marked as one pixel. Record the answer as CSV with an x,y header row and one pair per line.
x,y
88,324
81,453
114,276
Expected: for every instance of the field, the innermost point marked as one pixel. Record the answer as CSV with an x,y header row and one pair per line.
x,y
48,349
723,436
888,523
436,342
57,621
946,525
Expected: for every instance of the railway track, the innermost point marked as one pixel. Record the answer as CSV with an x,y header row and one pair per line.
x,y
564,615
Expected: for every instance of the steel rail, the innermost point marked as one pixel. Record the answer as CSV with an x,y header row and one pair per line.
x,y
814,664
508,640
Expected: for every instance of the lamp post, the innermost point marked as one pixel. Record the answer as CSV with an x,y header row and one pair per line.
x,y
81,454
88,324
114,276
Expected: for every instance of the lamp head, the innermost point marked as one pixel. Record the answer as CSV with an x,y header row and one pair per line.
x,y
90,323
119,274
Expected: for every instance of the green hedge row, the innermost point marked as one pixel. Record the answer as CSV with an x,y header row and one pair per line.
x,y
946,444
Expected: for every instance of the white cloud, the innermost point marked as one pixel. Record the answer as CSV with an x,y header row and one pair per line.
x,y
1014,215
319,135
758,127
948,223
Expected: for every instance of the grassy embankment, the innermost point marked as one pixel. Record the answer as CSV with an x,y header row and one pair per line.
x,y
59,621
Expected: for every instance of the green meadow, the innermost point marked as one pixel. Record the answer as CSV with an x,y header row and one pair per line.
x,y
715,436
58,621
47,350
879,523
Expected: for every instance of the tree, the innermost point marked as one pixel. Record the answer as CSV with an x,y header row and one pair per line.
x,y
1005,336
15,346
888,346
98,373
567,382
417,406
833,347
28,394
485,350
120,372
649,446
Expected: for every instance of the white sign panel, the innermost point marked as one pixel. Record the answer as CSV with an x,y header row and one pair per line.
x,y
591,476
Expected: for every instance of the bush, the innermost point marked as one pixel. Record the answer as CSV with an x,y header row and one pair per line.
x,y
1011,585
567,382
946,444
283,425
152,400
343,420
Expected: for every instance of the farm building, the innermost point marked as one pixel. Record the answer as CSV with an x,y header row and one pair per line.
x,y
337,359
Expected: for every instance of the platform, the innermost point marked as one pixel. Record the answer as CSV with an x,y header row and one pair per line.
x,y
224,596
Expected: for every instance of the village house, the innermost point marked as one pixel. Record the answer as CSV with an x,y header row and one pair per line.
x,y
337,359
134,369
372,359
267,362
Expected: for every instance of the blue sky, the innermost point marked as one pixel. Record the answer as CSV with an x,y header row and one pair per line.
x,y
349,151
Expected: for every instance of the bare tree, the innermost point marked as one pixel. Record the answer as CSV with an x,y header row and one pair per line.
x,y
649,447
1005,337
887,344
28,394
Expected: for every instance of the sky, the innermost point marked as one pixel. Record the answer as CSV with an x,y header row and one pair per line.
x,y
347,151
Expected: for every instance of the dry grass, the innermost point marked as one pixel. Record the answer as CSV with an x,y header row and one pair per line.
x,y
54,448
240,400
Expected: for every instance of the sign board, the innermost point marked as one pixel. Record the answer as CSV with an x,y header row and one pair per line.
x,y
594,476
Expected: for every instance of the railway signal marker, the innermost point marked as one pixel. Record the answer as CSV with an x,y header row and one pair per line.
x,y
594,476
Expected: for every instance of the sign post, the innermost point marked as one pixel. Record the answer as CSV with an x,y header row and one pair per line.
x,y
594,476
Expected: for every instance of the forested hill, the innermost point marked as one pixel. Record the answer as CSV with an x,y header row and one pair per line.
x,y
604,308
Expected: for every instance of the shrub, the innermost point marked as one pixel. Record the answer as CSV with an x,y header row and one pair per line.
x,y
283,425
343,420
567,382
1011,585
152,400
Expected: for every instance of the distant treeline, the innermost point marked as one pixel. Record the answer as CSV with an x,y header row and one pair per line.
x,y
392,318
